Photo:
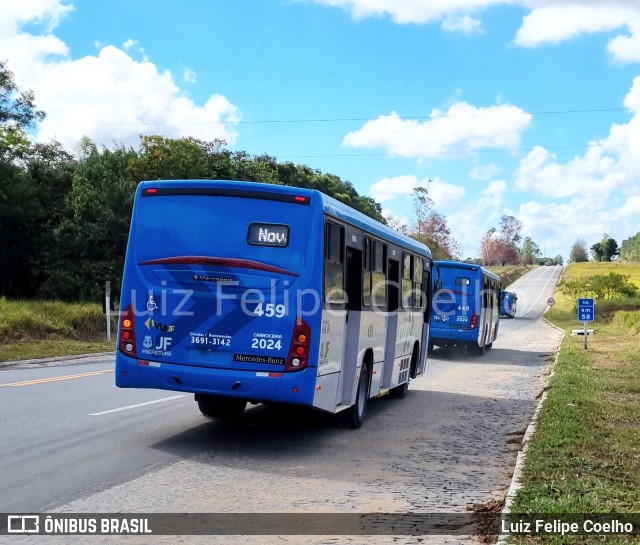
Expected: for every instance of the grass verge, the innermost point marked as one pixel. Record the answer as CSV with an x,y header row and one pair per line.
x,y
585,454
40,329
49,348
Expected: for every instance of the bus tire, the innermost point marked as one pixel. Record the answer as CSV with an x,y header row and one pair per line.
x,y
489,346
220,407
359,409
478,350
399,392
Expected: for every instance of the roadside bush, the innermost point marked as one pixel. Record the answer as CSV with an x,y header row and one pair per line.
x,y
603,287
32,320
629,320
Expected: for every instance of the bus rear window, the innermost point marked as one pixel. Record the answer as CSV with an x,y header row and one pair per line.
x,y
462,281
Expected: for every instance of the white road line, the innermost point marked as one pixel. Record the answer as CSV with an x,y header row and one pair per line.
x,y
551,277
138,405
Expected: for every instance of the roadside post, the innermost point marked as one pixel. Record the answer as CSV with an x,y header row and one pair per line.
x,y
586,313
107,306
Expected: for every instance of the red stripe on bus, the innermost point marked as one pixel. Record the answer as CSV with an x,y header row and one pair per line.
x,y
224,261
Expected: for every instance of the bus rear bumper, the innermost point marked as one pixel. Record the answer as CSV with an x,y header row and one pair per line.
x,y
452,337
296,387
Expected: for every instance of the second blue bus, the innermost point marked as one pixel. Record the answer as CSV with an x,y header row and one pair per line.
x,y
466,309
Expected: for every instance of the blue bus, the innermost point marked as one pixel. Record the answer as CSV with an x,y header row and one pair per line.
x,y
508,304
244,292
465,306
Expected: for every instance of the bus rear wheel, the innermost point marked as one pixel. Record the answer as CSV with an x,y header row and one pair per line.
x,y
220,407
359,410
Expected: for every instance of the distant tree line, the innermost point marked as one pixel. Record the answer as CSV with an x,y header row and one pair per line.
x,y
505,246
606,249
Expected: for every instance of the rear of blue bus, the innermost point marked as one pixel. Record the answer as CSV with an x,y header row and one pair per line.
x,y
219,296
456,306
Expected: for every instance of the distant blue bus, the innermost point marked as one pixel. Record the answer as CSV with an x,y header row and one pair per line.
x,y
508,304
246,292
466,308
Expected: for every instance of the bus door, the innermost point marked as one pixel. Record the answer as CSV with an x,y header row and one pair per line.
x,y
333,330
426,314
352,358
393,349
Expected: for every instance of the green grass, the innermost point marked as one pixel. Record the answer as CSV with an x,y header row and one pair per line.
x,y
585,270
52,348
35,329
585,454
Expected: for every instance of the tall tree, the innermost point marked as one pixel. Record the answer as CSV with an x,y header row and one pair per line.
x,y
530,250
430,227
17,113
510,230
630,248
490,247
597,251
605,250
609,248
19,230
578,253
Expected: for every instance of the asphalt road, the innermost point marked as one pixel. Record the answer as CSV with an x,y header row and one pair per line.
x,y
74,442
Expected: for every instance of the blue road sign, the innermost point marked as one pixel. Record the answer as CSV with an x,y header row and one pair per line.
x,y
586,309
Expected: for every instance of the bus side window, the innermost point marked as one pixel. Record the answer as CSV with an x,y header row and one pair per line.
x,y
418,268
406,281
366,284
334,263
378,274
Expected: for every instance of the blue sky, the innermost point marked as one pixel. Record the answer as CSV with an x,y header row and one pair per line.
x,y
520,107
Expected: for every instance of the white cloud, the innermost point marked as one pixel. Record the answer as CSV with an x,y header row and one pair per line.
x,y
445,195
465,24
408,11
631,208
129,44
44,12
555,226
495,188
109,97
189,76
557,22
441,193
462,128
390,188
547,21
607,165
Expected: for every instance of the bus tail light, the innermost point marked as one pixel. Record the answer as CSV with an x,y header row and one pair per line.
x,y
474,320
127,333
298,357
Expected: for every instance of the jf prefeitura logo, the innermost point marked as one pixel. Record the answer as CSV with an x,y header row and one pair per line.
x,y
67,524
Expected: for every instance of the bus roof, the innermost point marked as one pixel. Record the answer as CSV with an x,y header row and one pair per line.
x,y
466,266
330,205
